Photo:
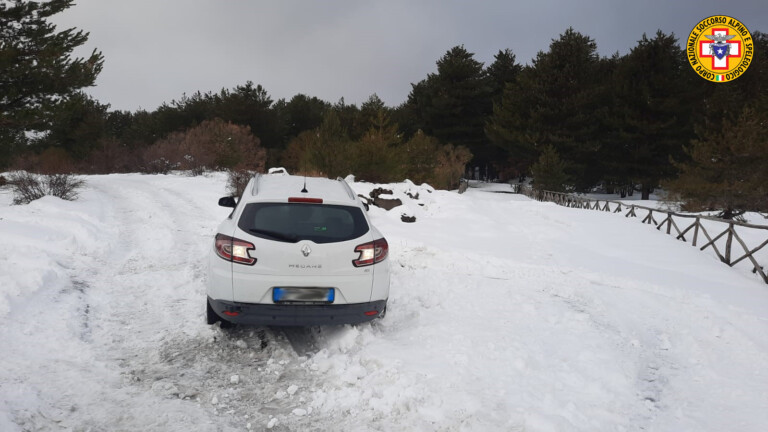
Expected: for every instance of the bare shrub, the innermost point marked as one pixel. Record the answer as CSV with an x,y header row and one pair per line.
x,y
28,187
237,180
53,160
296,155
158,165
112,156
213,144
450,166
64,186
3,181
309,173
159,158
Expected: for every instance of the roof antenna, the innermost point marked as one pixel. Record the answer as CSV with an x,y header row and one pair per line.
x,y
305,185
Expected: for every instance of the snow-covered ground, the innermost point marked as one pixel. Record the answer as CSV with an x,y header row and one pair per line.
x,y
505,314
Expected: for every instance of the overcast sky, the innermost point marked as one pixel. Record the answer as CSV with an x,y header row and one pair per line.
x,y
156,50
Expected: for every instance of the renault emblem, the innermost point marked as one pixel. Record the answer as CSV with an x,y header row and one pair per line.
x,y
306,250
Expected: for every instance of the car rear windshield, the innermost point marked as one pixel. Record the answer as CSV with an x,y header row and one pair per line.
x,y
293,222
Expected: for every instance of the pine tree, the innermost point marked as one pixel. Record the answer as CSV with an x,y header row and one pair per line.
x,y
376,156
549,171
502,71
36,67
371,110
250,105
724,102
350,118
329,150
303,113
655,99
560,100
453,104
78,125
727,170
419,157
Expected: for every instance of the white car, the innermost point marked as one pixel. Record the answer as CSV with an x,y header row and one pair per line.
x,y
297,251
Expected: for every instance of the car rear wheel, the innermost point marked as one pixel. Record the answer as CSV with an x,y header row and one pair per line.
x,y
211,317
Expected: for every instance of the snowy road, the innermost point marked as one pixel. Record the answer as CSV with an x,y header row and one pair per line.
x,y
505,314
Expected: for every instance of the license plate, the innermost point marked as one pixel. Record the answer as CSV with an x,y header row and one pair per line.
x,y
302,295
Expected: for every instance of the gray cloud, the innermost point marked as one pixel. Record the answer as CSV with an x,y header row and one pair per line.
x,y
157,50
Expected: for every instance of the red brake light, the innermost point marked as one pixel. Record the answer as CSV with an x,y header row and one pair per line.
x,y
305,200
371,253
235,250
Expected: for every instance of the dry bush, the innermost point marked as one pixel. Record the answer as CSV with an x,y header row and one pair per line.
x,y
296,156
53,160
3,181
213,144
159,158
237,180
450,165
112,156
28,187
308,173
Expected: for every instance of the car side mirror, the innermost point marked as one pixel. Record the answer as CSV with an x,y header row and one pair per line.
x,y
228,202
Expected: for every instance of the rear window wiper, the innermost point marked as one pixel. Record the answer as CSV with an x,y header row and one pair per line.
x,y
274,234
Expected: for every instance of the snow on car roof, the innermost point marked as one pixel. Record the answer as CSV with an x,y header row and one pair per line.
x,y
282,187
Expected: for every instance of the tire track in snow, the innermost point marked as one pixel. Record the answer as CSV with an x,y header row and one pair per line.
x,y
153,322
569,307
117,326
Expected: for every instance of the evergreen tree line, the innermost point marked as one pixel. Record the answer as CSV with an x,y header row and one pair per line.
x,y
580,120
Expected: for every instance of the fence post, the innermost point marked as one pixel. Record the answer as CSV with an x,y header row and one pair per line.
x,y
696,231
728,244
669,223
463,185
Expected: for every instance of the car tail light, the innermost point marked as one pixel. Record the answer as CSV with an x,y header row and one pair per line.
x,y
235,250
371,253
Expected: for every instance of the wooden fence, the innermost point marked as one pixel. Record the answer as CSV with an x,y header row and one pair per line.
x,y
664,219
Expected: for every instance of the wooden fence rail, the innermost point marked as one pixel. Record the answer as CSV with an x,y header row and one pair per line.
x,y
664,219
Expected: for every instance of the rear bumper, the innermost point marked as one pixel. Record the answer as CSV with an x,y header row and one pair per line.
x,y
297,315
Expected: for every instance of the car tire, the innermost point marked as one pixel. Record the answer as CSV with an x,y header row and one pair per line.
x,y
211,317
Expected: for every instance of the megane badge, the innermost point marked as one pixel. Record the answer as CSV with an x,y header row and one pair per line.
x,y
306,250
